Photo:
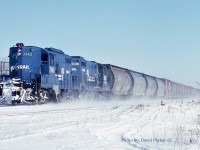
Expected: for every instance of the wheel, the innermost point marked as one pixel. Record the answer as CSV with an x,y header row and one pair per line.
x,y
13,102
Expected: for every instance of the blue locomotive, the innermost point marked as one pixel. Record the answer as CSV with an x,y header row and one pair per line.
x,y
44,74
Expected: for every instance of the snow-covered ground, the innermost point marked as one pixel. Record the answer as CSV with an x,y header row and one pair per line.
x,y
100,124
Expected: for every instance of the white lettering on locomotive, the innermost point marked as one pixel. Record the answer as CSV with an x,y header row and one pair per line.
x,y
104,78
22,67
87,73
91,79
75,64
63,71
74,69
67,72
52,69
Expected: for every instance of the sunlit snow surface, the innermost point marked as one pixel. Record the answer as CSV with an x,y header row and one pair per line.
x,y
102,124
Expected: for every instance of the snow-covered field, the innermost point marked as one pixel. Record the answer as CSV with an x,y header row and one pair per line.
x,y
100,124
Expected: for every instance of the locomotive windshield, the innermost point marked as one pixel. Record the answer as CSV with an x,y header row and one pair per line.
x,y
44,58
13,52
44,62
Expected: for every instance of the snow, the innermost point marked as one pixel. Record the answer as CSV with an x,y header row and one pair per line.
x,y
102,124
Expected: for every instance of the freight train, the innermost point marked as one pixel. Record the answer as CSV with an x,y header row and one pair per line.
x,y
46,74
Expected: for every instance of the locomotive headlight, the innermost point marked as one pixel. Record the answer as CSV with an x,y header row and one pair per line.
x,y
19,54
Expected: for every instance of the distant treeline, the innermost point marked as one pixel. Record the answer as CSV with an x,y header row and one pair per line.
x,y
4,66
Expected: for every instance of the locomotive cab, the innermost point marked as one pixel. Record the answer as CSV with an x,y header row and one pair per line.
x,y
44,62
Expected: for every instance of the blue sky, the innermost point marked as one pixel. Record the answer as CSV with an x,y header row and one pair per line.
x,y
159,38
